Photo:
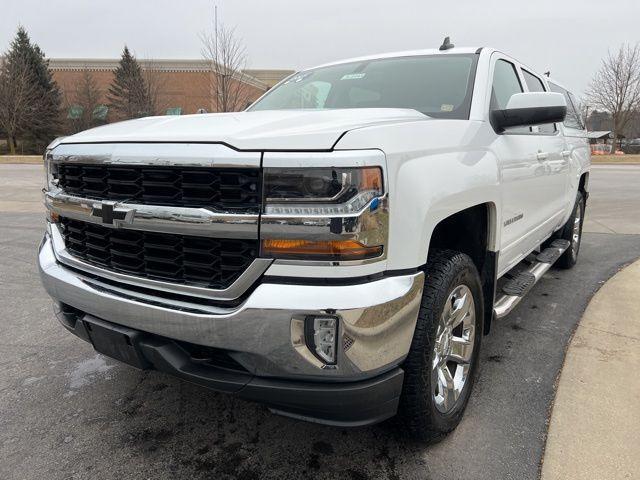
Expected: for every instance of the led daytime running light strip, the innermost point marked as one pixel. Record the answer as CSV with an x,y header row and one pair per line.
x,y
354,205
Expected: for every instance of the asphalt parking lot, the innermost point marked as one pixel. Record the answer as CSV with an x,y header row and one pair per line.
x,y
67,412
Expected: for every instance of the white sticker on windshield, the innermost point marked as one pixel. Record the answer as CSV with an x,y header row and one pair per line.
x,y
445,107
353,76
298,77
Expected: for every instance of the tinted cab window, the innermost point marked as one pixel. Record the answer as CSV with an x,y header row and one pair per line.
x,y
534,84
573,119
505,84
437,85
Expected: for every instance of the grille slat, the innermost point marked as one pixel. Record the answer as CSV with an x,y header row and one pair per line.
x,y
229,189
200,261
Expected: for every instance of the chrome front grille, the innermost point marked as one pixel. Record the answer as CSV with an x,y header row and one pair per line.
x,y
190,222
199,261
226,189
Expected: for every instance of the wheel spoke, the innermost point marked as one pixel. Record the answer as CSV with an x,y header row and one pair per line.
x,y
447,387
437,360
461,350
460,310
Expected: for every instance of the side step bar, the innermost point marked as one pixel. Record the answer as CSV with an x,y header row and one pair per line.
x,y
518,286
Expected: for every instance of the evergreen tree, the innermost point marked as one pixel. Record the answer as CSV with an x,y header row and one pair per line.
x,y
128,94
45,124
18,100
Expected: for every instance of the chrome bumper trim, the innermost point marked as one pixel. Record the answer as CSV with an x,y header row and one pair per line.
x,y
377,317
155,218
234,291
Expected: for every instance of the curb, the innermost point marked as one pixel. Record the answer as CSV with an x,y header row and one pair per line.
x,y
614,163
593,426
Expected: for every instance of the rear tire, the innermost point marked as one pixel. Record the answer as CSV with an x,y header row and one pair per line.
x,y
443,359
572,232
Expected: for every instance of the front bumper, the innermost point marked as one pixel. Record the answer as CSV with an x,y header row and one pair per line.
x,y
333,403
376,320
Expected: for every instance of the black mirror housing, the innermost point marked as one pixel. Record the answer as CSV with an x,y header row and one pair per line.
x,y
522,117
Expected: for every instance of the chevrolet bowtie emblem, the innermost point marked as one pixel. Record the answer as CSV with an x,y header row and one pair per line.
x,y
111,214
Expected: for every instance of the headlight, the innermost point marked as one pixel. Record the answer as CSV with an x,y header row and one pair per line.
x,y
320,191
323,213
50,181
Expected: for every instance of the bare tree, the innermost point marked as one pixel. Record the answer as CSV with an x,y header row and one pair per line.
x,y
155,83
18,101
226,54
616,86
87,97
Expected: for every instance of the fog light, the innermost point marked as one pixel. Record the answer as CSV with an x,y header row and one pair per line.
x,y
322,334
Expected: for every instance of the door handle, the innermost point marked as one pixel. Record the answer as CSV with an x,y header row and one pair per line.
x,y
565,153
542,156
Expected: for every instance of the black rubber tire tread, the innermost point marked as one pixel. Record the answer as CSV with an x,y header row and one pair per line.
x,y
416,413
568,260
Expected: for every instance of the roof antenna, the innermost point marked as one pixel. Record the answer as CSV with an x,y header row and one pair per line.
x,y
547,73
446,45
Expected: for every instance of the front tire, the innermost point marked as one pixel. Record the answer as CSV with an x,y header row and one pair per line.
x,y
443,359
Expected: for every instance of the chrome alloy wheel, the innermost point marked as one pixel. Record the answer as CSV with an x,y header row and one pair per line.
x,y
453,348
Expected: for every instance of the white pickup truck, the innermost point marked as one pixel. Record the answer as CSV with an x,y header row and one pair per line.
x,y
336,251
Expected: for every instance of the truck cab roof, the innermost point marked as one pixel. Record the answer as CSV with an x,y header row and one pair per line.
x,y
405,53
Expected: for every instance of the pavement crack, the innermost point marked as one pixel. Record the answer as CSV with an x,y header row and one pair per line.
x,y
630,337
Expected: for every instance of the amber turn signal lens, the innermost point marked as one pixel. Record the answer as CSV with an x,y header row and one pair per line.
x,y
371,179
324,250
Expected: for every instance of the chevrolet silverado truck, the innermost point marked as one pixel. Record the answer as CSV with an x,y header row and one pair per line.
x,y
338,250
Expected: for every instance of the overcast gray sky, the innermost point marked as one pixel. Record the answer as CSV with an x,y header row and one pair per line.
x,y
568,37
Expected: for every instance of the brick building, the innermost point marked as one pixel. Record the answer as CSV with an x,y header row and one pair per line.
x,y
185,85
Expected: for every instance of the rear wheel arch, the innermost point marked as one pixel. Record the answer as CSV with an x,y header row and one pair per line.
x,y
583,185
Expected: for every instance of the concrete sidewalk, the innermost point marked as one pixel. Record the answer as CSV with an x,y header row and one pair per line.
x,y
594,431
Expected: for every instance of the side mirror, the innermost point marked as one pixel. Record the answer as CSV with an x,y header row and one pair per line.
x,y
533,108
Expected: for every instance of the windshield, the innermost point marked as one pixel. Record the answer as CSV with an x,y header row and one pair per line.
x,y
436,85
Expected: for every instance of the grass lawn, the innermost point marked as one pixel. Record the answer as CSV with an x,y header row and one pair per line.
x,y
615,159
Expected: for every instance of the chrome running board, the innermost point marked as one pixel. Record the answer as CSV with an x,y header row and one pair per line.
x,y
516,288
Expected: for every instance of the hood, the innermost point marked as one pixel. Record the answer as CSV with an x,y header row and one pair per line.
x,y
261,130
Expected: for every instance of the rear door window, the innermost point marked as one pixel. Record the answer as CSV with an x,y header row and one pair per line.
x,y
576,108
534,84
572,120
